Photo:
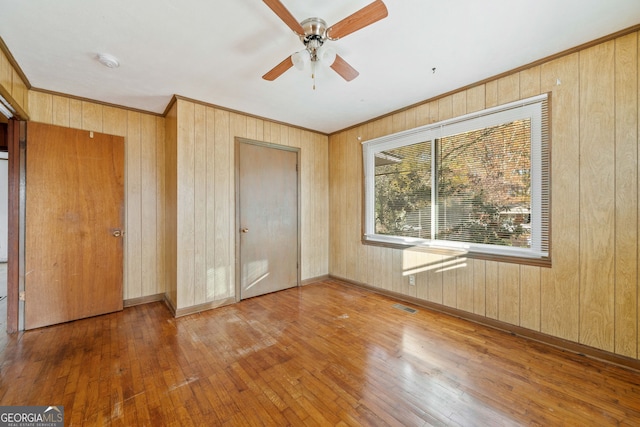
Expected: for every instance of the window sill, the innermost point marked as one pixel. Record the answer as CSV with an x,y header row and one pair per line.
x,y
538,261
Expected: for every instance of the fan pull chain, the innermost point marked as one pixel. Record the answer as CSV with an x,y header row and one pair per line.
x,y
313,74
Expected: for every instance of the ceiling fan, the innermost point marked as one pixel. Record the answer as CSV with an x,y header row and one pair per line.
x,y
313,33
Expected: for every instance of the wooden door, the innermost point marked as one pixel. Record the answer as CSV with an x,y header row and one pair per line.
x,y
268,216
73,226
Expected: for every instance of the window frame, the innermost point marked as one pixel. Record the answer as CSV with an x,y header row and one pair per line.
x,y
538,110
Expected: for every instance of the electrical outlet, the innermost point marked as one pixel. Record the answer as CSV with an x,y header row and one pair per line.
x,y
412,280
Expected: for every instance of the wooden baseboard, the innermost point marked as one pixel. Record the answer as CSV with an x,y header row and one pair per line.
x,y
313,280
170,305
559,343
202,307
143,300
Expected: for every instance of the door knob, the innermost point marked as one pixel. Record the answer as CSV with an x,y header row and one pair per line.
x,y
117,233
244,230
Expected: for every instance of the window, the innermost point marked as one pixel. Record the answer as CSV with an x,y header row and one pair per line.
x,y
477,183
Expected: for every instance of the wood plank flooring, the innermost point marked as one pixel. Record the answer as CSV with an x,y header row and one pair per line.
x,y
323,354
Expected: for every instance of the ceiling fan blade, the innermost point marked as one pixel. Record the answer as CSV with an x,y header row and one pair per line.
x,y
285,15
343,68
358,20
279,69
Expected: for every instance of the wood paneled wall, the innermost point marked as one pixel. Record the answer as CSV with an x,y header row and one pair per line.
x,y
180,193
203,203
144,134
11,84
590,294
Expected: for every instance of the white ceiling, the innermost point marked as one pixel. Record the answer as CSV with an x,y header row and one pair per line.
x,y
216,51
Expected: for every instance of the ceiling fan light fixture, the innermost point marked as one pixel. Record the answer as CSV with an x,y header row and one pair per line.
x,y
326,55
301,59
313,33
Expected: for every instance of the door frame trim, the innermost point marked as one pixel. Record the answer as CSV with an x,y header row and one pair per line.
x,y
16,140
238,141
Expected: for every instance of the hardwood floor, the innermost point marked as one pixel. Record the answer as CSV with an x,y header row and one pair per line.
x,y
323,354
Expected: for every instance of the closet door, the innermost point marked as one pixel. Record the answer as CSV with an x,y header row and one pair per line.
x,y
268,213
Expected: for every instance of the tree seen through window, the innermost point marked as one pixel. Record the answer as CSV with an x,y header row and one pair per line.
x,y
483,191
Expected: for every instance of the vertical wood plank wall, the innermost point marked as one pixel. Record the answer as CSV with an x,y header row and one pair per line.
x,y
204,203
144,259
590,294
192,174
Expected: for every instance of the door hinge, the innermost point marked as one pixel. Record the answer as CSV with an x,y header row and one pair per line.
x,y
21,296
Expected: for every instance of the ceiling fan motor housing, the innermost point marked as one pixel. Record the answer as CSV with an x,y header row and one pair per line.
x,y
315,34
